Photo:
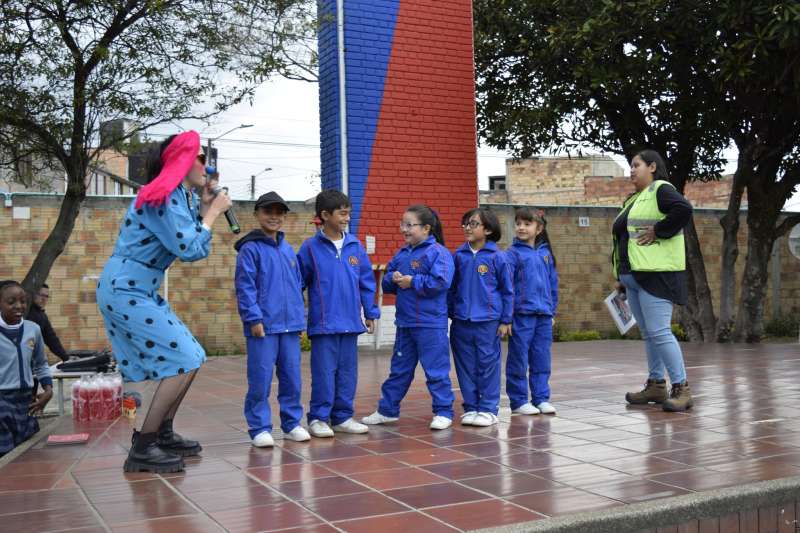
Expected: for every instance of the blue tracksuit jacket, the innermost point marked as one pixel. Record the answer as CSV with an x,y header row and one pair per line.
x,y
424,304
482,288
338,286
535,279
268,284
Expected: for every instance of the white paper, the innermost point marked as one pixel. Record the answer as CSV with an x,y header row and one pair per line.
x,y
620,311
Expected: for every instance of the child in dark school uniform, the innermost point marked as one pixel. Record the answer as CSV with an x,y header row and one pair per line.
x,y
21,359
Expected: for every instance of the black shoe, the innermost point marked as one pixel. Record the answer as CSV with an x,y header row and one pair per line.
x,y
171,442
146,456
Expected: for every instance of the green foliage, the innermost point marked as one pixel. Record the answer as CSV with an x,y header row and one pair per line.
x,y
65,67
581,335
679,333
305,342
784,325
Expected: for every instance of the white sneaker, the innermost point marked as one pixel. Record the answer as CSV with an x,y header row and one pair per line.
x,y
468,418
376,418
351,426
441,422
546,408
485,420
298,434
263,440
526,409
320,429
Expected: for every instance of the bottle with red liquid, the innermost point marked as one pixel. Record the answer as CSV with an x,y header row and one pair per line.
x,y
117,380
95,399
76,401
83,400
107,395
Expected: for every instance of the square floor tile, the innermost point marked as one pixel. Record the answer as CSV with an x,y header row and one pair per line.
x,y
511,483
176,524
395,523
396,478
466,469
319,488
353,506
289,472
436,495
563,501
266,518
483,514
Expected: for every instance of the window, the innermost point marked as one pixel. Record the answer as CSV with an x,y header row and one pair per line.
x,y
497,183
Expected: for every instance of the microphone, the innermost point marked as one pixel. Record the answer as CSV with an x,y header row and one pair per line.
x,y
230,216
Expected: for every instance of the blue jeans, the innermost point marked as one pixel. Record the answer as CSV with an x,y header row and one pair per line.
x,y
654,316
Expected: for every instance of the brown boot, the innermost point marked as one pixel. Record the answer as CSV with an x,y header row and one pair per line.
x,y
655,390
680,398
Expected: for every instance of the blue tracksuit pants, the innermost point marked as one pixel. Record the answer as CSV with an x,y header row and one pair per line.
x,y
429,347
280,350
476,351
528,361
334,375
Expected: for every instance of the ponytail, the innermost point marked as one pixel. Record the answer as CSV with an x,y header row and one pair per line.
x,y
429,217
544,238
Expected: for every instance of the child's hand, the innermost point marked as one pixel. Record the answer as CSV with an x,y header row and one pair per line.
x,y
257,330
504,330
404,282
370,325
41,401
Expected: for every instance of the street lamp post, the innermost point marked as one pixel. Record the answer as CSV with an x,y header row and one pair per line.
x,y
218,137
253,182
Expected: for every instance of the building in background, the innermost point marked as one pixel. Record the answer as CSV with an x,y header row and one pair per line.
x,y
590,181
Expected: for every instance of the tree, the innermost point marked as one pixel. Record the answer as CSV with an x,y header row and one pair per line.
x,y
618,76
67,65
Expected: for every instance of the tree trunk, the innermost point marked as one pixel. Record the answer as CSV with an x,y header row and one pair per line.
x,y
55,243
730,253
749,325
701,323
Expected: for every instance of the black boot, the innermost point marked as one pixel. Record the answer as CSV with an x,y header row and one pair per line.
x,y
146,456
171,442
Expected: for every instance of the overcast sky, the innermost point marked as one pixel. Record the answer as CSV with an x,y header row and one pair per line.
x,y
285,138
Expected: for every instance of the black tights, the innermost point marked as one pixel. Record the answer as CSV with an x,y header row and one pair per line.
x,y
166,400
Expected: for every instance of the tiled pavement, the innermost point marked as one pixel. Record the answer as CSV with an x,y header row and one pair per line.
x,y
597,453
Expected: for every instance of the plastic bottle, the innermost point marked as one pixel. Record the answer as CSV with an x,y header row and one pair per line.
x,y
107,394
76,401
95,399
83,399
118,392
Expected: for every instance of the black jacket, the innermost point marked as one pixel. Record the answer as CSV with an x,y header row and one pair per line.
x,y
36,314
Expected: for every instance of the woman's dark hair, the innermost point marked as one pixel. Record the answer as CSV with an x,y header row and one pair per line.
x,y
650,157
330,200
531,215
153,163
489,220
429,217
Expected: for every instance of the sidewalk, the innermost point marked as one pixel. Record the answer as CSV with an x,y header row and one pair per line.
x,y
597,453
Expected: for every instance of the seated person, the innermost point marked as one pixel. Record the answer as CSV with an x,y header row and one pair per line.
x,y
21,359
37,315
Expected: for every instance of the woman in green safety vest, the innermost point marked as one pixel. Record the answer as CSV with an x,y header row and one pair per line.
x,y
649,262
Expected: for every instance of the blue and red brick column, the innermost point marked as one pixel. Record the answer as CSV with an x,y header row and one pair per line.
x,y
410,112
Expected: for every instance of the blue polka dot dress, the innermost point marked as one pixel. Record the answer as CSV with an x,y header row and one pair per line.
x,y
149,340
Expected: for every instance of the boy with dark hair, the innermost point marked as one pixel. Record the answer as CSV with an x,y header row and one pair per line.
x,y
37,315
270,295
338,275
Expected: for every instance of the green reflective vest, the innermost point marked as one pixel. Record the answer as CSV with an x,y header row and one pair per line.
x,y
663,255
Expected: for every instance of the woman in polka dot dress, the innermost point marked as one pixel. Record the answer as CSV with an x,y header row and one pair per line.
x,y
165,222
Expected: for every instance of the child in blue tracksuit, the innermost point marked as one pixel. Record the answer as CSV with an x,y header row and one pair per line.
x,y
269,291
340,282
480,303
535,301
420,275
